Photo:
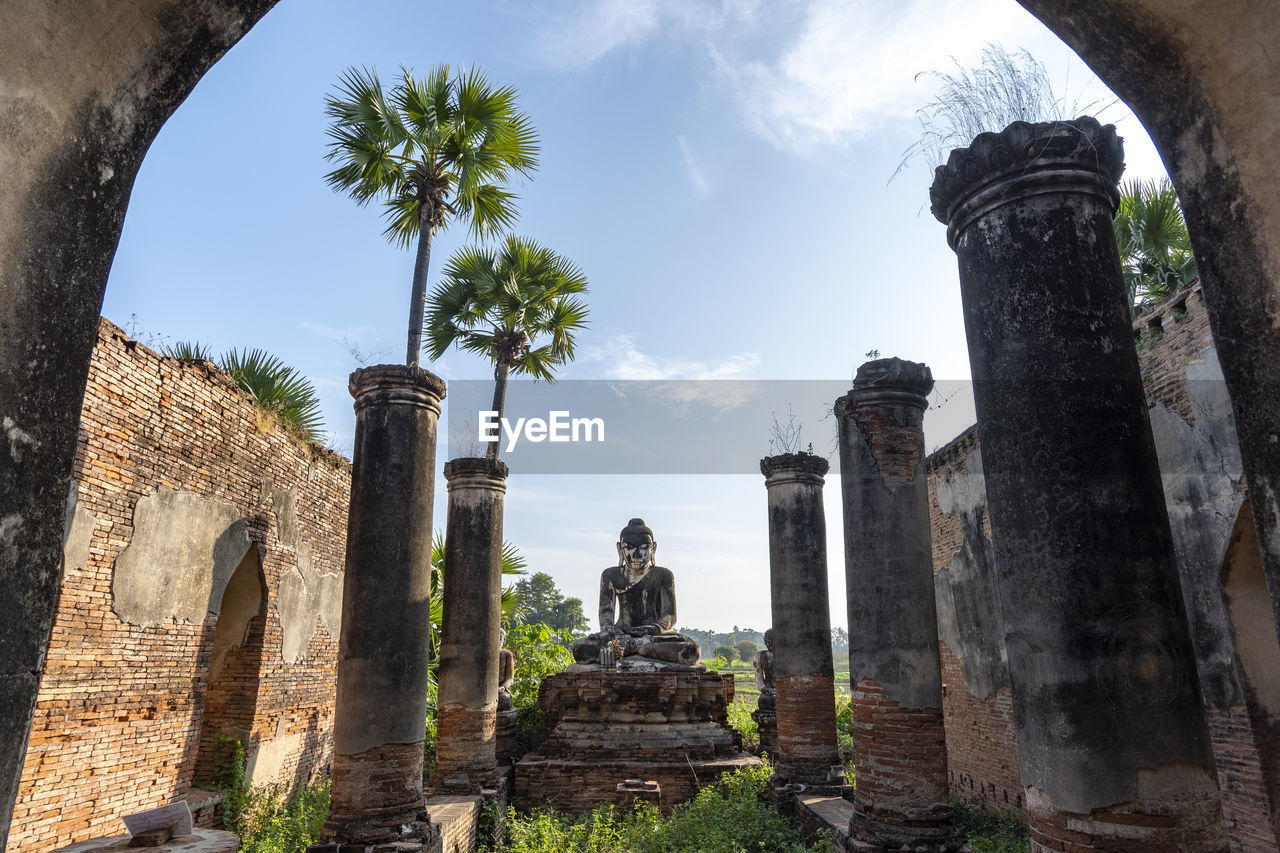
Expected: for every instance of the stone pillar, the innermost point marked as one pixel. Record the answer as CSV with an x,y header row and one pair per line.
x,y
466,758
899,747
802,669
379,721
1112,740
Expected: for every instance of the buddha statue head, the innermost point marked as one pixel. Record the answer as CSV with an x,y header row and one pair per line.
x,y
636,548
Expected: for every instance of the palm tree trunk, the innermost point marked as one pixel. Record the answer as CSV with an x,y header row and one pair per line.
x,y
418,296
499,400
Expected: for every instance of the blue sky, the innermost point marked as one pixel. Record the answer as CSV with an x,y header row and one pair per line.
x,y
719,170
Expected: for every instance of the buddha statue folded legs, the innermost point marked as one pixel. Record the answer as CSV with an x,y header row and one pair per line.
x,y
637,611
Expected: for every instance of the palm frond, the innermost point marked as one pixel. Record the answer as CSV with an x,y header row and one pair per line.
x,y
276,388
1155,247
497,303
188,350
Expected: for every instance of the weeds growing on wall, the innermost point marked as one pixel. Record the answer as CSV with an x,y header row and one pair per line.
x,y
732,816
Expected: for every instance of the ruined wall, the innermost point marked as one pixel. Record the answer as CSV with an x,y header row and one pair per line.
x,y
1204,488
977,706
201,594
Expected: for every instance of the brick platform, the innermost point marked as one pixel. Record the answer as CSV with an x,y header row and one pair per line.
x,y
605,728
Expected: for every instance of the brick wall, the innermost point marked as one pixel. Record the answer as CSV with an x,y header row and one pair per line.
x,y
982,749
118,720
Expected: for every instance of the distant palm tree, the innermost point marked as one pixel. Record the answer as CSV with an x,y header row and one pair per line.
x,y
436,149
1155,248
273,385
498,304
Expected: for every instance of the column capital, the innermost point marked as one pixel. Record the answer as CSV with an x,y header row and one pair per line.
x,y
893,381
476,472
1023,160
396,384
793,467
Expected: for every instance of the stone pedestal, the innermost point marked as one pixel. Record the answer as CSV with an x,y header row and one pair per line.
x,y
1112,741
505,732
766,717
802,667
632,791
467,704
899,747
608,727
382,659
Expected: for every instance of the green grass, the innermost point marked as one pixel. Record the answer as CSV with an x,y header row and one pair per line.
x,y
991,832
732,816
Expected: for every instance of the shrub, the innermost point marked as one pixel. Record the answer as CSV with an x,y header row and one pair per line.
x,y
274,823
267,820
729,653
732,816
991,832
746,649
740,718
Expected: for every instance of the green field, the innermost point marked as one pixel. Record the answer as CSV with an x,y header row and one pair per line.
x,y
744,679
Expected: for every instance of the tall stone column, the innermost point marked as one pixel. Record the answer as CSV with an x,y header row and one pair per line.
x,y
467,705
900,750
802,668
1112,742
379,722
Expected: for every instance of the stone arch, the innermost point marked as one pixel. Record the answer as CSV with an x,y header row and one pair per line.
x,y
235,664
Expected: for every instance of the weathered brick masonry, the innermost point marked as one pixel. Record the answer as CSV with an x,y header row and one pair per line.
x,y
982,748
1175,345
127,700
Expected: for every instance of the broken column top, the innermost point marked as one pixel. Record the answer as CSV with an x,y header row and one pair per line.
x,y
802,463
396,383
1023,159
889,380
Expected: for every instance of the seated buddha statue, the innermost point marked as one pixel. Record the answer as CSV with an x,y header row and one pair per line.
x,y
637,612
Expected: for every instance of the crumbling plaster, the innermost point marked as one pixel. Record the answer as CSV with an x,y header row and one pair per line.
x,y
183,551
1201,471
305,594
968,599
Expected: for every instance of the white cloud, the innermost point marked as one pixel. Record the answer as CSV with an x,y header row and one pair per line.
x,y
623,359
696,176
853,66
581,32
810,76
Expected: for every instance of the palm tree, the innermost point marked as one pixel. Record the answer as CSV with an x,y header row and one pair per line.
x,y
1155,248
273,385
435,150
499,303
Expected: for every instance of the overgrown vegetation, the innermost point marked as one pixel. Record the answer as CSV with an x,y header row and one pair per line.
x,y
991,832
1007,86
740,718
278,389
540,651
732,816
267,818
